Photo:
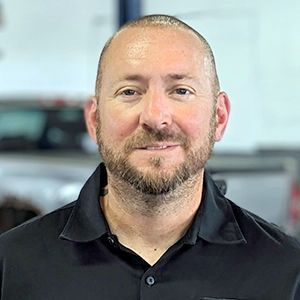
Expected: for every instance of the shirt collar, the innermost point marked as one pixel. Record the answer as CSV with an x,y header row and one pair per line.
x,y
214,222
87,222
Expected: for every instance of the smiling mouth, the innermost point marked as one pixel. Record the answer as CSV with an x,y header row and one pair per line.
x,y
157,147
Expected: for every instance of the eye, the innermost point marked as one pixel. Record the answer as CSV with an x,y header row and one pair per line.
x,y
128,92
182,91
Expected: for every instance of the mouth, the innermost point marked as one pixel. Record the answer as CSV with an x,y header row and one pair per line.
x,y
157,147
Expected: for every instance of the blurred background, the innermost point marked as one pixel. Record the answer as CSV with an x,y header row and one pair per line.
x,y
49,52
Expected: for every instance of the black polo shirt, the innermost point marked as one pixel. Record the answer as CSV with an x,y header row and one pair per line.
x,y
70,253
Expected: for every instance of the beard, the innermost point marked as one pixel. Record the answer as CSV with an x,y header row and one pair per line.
x,y
157,181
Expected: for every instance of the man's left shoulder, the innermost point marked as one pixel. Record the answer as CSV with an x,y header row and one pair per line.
x,y
261,233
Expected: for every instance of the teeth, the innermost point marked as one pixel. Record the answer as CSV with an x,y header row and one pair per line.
x,y
156,147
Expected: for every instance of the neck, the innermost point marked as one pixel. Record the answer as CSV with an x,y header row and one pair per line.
x,y
150,224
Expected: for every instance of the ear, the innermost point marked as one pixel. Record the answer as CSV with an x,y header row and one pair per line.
x,y
222,114
90,115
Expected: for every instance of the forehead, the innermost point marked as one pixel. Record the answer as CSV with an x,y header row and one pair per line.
x,y
155,42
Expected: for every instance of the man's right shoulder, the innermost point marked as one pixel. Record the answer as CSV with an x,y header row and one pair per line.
x,y
36,230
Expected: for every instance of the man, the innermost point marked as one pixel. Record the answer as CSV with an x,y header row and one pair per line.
x,y
150,223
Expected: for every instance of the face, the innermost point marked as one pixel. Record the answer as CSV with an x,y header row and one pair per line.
x,y
156,119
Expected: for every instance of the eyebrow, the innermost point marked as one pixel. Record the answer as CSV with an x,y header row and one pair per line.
x,y
134,77
176,76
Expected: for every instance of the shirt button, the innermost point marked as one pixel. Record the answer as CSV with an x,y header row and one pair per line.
x,y
111,240
150,280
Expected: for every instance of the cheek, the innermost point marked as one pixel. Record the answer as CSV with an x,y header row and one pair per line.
x,y
196,123
116,124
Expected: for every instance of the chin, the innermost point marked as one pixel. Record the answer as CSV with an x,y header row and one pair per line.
x,y
156,163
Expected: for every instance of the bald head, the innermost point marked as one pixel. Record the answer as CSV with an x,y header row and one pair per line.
x,y
162,21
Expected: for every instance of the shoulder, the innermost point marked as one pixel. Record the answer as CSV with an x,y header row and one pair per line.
x,y
264,235
35,231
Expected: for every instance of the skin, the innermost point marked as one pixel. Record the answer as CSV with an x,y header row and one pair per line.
x,y
155,79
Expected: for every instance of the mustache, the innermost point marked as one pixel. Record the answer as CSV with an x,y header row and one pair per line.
x,y
145,138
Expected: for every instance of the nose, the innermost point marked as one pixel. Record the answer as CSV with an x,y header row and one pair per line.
x,y
156,111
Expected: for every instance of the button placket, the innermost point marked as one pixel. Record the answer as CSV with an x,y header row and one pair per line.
x,y
150,283
150,280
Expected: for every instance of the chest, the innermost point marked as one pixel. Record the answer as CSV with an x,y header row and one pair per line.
x,y
190,273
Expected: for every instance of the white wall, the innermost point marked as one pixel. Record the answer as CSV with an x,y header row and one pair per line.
x,y
52,47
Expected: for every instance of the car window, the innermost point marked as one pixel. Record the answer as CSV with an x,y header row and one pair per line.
x,y
64,129
42,128
27,123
